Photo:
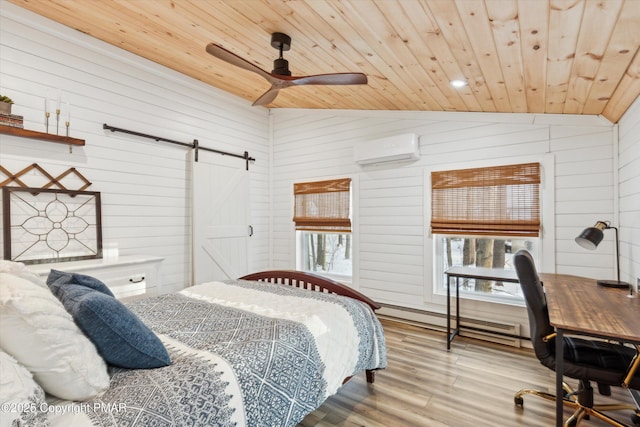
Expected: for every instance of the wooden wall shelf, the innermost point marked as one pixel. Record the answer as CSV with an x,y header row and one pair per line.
x,y
24,133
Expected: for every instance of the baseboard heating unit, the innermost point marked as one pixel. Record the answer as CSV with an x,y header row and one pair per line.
x,y
501,333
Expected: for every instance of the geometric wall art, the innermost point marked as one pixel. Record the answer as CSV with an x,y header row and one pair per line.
x,y
50,225
35,176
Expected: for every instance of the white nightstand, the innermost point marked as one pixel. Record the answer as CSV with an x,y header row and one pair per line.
x,y
126,276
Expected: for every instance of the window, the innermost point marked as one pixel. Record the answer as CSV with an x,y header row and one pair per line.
x,y
323,226
325,252
480,217
486,252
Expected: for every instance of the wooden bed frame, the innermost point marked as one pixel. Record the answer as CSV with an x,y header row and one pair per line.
x,y
317,283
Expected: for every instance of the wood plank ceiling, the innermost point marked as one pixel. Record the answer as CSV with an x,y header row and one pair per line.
x,y
518,56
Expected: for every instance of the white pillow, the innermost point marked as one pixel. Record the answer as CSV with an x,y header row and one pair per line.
x,y
21,398
39,333
21,270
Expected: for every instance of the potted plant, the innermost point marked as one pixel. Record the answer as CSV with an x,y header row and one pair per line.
x,y
5,104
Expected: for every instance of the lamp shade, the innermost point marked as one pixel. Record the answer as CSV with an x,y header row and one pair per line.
x,y
590,238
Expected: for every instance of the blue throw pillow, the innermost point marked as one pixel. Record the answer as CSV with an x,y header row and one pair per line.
x,y
121,338
62,278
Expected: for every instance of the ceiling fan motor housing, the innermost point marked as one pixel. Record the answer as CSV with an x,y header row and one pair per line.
x,y
281,42
281,67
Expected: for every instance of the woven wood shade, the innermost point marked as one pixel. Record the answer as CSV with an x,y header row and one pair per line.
x,y
502,201
323,205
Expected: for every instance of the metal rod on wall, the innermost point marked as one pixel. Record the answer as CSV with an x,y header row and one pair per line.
x,y
195,144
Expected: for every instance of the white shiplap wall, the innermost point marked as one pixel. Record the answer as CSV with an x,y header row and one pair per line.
x,y
146,185
393,250
629,190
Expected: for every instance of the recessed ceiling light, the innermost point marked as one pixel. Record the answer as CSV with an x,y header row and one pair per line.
x,y
458,83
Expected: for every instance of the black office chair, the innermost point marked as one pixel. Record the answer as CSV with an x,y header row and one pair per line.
x,y
585,360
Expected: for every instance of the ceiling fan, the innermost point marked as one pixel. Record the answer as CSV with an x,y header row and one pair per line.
x,y
280,77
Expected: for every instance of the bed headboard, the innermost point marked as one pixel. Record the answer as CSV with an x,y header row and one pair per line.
x,y
310,281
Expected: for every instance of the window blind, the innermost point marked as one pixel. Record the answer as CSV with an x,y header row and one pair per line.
x,y
323,205
500,200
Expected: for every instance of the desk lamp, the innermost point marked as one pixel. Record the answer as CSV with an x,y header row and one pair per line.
x,y
590,238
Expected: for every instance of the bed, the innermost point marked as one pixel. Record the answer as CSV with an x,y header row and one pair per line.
x,y
263,350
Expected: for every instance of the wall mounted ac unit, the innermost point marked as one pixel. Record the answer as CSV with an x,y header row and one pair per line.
x,y
396,148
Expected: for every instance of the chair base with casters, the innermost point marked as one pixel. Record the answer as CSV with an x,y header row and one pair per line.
x,y
583,409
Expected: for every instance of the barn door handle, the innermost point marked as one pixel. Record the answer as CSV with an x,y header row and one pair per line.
x,y
250,230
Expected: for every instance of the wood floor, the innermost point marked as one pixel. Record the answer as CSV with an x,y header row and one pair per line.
x,y
424,385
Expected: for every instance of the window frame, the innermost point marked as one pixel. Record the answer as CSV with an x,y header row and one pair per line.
x,y
296,240
434,289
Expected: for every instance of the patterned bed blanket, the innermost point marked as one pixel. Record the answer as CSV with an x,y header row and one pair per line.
x,y
243,353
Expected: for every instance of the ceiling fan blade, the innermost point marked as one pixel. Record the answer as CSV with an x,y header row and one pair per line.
x,y
331,79
267,97
233,59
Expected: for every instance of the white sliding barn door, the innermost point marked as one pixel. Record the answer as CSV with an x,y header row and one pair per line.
x,y
220,217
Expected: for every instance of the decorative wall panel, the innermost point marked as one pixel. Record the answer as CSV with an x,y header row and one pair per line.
x,y
45,225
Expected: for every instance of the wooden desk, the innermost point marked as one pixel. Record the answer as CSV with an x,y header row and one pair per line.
x,y
478,273
577,305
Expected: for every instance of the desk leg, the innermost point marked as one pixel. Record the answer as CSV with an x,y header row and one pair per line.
x,y
559,377
452,335
448,313
457,329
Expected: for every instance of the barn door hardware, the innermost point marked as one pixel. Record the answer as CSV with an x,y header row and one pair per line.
x,y
195,145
